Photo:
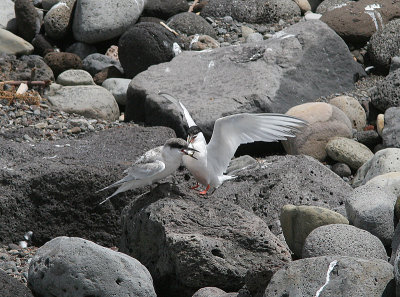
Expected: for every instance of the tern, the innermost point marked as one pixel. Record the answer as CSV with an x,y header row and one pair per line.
x,y
229,132
153,165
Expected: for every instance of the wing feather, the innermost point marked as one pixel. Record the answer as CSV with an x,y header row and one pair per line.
x,y
232,131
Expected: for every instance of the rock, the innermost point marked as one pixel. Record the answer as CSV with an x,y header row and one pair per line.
x,y
48,4
348,151
90,101
112,52
244,78
254,37
397,273
40,190
57,21
298,221
387,93
395,245
42,45
343,240
394,63
21,69
384,161
72,266
118,87
210,292
341,169
103,20
380,123
60,62
353,109
348,277
164,9
28,21
190,23
109,72
389,181
96,62
75,78
307,5
325,122
188,244
246,31
370,138
252,11
81,49
328,5
11,287
310,16
145,44
14,45
384,45
391,130
7,15
371,208
358,20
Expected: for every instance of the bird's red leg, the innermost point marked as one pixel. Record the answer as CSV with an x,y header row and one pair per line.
x,y
195,187
205,191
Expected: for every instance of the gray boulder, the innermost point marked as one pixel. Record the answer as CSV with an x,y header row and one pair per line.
x,y
13,44
384,45
190,23
252,11
371,208
343,240
333,276
90,101
212,292
81,49
96,62
387,93
395,245
57,196
270,76
118,87
103,20
384,161
188,244
72,266
328,5
391,130
27,18
165,8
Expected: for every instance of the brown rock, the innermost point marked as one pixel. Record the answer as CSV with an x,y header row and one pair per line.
x,y
109,72
358,20
59,62
325,122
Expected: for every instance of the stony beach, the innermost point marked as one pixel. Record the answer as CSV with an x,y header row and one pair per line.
x,y
314,215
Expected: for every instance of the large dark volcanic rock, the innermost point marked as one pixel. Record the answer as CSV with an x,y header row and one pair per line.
x,y
50,188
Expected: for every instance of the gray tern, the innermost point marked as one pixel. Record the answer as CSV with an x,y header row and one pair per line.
x,y
229,132
153,165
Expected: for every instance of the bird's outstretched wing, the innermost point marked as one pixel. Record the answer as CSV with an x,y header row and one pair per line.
x,y
181,107
231,131
139,171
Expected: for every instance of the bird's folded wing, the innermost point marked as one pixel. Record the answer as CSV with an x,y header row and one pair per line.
x,y
181,107
231,131
144,170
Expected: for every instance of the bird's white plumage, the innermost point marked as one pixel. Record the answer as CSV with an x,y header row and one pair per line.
x,y
230,132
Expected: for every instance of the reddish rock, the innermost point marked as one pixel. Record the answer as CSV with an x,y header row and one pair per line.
x,y
358,20
59,62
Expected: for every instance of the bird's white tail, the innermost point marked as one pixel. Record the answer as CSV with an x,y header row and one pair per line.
x,y
125,187
223,178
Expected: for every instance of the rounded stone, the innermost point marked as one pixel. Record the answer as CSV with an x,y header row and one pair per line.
x,y
254,37
348,151
343,240
81,49
118,87
145,44
298,221
380,123
190,23
328,5
74,77
96,62
391,129
387,92
57,19
28,21
353,109
325,121
164,9
60,61
14,45
341,169
71,266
